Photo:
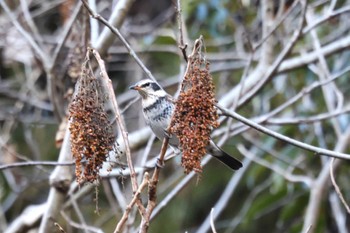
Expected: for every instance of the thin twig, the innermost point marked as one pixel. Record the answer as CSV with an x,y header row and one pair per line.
x,y
307,90
308,229
51,79
65,33
307,120
175,191
35,163
276,169
331,92
326,18
276,25
213,229
121,124
60,181
120,36
336,187
152,188
243,79
241,87
310,57
46,60
136,196
321,185
226,195
59,227
339,215
79,226
143,159
30,22
182,46
118,15
79,214
260,145
131,102
316,150
152,192
274,67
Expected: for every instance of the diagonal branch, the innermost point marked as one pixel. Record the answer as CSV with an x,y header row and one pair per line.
x,y
316,150
152,188
135,198
336,187
120,36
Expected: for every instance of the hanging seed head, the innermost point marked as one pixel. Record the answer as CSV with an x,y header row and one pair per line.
x,y
92,136
195,114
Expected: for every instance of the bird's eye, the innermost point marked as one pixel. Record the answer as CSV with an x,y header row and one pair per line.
x,y
146,85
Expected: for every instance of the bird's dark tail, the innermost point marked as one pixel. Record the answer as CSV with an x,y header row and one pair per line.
x,y
225,158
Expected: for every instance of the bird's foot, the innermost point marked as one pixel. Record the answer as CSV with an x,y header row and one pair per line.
x,y
167,134
160,163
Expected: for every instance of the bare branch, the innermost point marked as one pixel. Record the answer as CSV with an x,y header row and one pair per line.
x,y
35,163
60,180
325,18
277,62
136,196
277,169
316,150
108,84
318,188
122,39
225,197
45,59
336,187
307,120
80,226
212,224
106,38
182,46
307,58
152,188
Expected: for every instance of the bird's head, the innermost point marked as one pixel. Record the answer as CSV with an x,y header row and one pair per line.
x,y
147,88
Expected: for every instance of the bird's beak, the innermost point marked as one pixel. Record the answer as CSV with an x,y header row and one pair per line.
x,y
134,87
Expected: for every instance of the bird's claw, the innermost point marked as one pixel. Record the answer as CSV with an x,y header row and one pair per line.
x,y
160,163
166,133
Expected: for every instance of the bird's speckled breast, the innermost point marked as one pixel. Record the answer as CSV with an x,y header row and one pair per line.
x,y
158,115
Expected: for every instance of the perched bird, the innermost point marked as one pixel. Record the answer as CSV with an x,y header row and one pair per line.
x,y
158,107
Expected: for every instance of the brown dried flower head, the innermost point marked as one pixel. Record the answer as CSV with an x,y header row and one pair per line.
x,y
195,114
92,136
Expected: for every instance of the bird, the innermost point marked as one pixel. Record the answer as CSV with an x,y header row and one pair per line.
x,y
158,107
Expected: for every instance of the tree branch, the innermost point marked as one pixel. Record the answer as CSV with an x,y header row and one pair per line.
x,y
316,150
115,31
35,163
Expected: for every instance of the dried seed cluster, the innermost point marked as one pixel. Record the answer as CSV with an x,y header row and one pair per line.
x,y
195,113
92,136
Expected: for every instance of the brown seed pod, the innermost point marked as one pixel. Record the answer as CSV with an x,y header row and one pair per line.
x,y
195,114
92,136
